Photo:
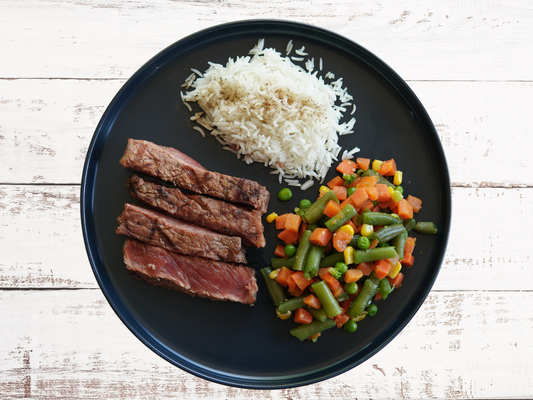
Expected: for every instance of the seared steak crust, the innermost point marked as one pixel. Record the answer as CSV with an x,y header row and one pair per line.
x,y
178,236
195,276
214,214
171,165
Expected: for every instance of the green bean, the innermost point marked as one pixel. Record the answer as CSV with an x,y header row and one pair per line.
x,y
354,241
277,263
360,216
387,233
274,289
319,314
399,243
341,218
331,260
302,251
312,264
328,301
365,296
291,304
409,224
316,210
384,288
303,331
428,228
379,253
378,218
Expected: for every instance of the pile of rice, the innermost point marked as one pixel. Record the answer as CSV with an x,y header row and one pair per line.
x,y
266,109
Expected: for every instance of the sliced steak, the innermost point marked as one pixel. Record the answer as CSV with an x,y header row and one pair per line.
x,y
211,213
171,165
196,276
178,236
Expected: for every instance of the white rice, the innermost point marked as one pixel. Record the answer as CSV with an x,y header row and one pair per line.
x,y
269,110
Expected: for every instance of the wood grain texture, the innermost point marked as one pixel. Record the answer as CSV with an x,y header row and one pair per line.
x,y
448,350
465,40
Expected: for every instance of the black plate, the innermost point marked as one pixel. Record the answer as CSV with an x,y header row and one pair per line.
x,y
231,343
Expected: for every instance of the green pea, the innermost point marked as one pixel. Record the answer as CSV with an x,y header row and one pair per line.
x,y
399,189
285,194
372,310
351,288
341,267
305,204
350,191
290,250
363,243
350,326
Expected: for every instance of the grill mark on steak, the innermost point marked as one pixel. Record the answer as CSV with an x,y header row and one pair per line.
x,y
195,276
214,214
173,166
178,236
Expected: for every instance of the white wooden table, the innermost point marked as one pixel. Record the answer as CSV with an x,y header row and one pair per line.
x,y
471,65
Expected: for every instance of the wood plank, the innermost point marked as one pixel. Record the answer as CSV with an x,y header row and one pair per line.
x,y
69,344
452,40
48,217
48,124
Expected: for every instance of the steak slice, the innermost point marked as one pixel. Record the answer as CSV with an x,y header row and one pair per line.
x,y
178,236
171,165
211,213
195,276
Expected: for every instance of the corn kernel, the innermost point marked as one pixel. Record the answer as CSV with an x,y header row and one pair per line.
x,y
376,165
349,255
274,274
394,271
324,189
367,230
346,228
272,217
390,189
287,315
398,177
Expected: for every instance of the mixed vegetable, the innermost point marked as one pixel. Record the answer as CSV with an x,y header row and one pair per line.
x,y
343,252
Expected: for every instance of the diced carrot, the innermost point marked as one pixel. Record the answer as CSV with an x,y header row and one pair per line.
x,y
338,291
280,221
405,209
341,192
355,183
320,236
315,336
415,202
332,208
280,251
353,275
283,275
345,304
293,222
372,192
288,237
377,297
322,272
341,319
388,168
366,268
359,197
408,260
336,181
368,181
299,279
347,166
363,163
331,281
341,239
312,301
368,204
302,316
346,202
329,247
397,282
293,288
291,284
374,243
409,245
383,193
303,227
381,268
